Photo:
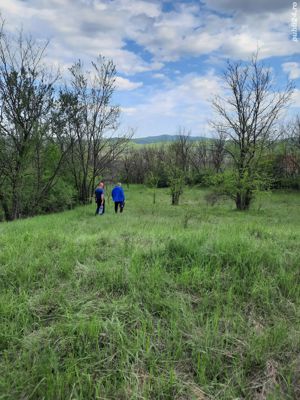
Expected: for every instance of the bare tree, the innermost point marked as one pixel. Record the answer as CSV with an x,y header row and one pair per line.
x,y
248,117
199,158
181,149
134,166
218,151
92,123
127,167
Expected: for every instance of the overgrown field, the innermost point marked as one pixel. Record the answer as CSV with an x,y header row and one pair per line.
x,y
162,302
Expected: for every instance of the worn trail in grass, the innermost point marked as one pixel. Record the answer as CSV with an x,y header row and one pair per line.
x,y
162,302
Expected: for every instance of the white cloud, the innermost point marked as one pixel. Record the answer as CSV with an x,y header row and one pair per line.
x,y
140,36
128,110
140,7
178,33
254,6
267,31
159,75
185,102
126,84
292,69
83,29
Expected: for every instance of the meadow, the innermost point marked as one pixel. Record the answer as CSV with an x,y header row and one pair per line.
x,y
162,302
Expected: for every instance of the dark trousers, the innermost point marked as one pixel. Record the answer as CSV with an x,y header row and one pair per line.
x,y
99,205
119,204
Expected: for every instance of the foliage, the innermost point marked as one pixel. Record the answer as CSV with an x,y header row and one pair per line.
x,y
52,135
176,182
57,140
204,177
229,183
248,117
26,125
152,182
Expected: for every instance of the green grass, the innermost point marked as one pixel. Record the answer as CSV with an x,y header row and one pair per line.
x,y
162,302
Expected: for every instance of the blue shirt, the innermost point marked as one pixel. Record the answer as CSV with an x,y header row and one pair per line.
x,y
98,193
118,194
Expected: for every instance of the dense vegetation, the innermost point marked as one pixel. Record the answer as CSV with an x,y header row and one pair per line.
x,y
58,137
206,162
188,302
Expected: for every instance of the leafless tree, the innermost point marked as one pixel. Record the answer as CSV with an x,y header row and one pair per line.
x,y
248,114
134,166
127,167
217,150
181,149
200,156
92,123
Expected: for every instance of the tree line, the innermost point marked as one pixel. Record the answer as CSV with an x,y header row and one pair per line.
x,y
253,149
209,164
58,136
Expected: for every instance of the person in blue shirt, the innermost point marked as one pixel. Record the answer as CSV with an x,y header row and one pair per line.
x,y
99,198
118,197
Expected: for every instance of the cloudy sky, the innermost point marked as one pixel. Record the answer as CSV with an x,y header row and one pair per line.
x,y
169,54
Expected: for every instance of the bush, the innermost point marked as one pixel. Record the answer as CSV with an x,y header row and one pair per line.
x,y
203,178
242,190
287,183
61,197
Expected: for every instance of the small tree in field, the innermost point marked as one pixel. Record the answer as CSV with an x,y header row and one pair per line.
x,y
152,182
248,115
176,182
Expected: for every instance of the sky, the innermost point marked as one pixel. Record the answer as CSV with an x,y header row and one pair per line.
x,y
169,54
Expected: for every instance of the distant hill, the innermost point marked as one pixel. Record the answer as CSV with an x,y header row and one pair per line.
x,y
163,138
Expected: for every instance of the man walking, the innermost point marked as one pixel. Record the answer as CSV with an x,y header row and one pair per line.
x,y
118,197
99,198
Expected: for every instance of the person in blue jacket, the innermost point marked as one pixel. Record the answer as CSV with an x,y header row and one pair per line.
x,y
99,198
118,197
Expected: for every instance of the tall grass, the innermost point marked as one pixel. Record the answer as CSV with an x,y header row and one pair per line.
x,y
188,302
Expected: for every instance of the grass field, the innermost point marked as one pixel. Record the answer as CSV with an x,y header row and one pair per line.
x,y
162,302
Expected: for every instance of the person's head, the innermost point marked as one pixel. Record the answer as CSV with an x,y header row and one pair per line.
x,y
101,185
119,184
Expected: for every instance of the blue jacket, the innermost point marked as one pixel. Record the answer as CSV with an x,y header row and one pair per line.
x,y
118,194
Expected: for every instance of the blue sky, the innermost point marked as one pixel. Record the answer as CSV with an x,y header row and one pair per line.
x,y
169,54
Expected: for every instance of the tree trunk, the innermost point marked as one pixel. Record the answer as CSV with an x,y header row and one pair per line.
x,y
5,207
15,206
243,200
84,191
175,199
